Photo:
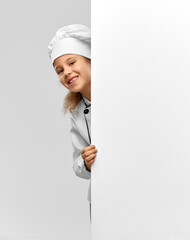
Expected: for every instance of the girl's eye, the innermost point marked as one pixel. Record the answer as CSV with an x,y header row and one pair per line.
x,y
62,70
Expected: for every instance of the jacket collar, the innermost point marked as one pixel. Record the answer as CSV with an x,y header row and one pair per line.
x,y
86,101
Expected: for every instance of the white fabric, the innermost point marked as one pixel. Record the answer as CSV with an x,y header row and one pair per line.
x,y
80,140
71,39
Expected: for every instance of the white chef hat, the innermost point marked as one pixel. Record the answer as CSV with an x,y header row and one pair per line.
x,y
71,39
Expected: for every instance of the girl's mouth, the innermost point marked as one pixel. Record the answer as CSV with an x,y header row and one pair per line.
x,y
73,81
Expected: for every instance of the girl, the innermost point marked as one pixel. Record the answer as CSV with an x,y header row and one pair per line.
x,y
70,53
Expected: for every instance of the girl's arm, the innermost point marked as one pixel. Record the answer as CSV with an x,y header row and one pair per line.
x,y
78,143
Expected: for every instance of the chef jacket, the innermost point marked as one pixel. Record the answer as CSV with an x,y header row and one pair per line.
x,y
80,139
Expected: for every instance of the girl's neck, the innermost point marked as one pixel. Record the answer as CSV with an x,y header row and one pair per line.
x,y
89,98
87,94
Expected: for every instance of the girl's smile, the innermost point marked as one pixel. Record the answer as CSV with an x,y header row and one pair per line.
x,y
73,80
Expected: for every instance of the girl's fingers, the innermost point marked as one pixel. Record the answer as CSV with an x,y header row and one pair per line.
x,y
86,149
87,154
91,146
92,156
90,162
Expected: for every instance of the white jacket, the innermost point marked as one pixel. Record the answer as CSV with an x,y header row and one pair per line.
x,y
80,139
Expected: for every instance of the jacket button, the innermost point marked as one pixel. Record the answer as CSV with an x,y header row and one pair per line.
x,y
86,111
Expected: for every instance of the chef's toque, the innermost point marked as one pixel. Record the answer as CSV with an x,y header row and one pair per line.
x,y
71,39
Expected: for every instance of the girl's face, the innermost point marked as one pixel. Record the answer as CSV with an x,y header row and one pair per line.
x,y
72,65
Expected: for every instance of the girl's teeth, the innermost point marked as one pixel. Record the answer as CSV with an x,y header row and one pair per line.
x,y
73,80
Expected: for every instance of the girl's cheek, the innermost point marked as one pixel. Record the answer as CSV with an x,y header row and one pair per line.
x,y
61,80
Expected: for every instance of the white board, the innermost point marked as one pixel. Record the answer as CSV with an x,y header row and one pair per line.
x,y
141,120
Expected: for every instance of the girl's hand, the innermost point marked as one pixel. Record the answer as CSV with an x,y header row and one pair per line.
x,y
89,154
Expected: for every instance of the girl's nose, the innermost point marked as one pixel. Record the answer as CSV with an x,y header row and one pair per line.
x,y
67,73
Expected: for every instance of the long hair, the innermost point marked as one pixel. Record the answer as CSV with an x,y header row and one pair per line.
x,y
71,100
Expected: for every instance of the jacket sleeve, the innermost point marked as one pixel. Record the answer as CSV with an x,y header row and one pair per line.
x,y
78,143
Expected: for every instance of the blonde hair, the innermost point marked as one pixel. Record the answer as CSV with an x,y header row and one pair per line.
x,y
71,100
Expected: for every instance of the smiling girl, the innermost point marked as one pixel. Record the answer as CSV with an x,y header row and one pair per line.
x,y
70,53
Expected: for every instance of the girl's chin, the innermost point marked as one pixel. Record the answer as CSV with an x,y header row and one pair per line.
x,y
75,89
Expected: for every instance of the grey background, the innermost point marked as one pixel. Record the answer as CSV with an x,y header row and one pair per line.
x,y
40,195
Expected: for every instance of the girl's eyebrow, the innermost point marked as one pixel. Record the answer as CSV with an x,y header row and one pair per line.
x,y
65,61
